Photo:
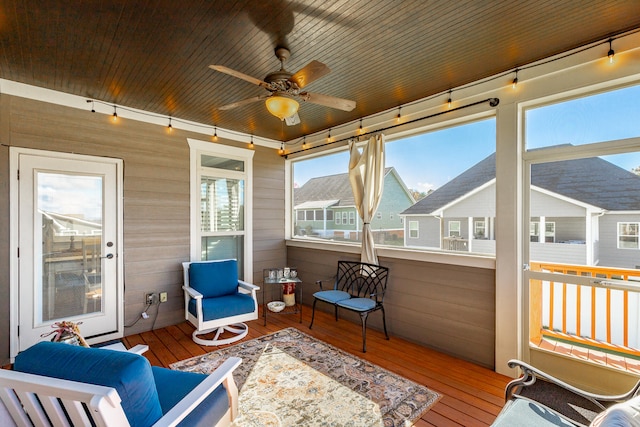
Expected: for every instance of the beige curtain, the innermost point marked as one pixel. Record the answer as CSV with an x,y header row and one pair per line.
x,y
366,174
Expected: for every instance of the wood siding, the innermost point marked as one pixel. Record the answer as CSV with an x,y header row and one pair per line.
x,y
156,199
444,307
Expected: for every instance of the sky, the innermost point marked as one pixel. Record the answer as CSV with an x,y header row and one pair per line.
x,y
430,160
69,194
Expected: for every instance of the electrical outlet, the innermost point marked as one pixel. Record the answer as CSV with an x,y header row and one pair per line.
x,y
163,297
148,299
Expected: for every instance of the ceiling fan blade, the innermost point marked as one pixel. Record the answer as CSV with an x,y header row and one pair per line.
x,y
309,73
328,101
292,120
243,102
238,74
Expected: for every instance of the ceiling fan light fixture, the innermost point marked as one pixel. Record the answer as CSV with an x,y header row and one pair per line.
x,y
282,106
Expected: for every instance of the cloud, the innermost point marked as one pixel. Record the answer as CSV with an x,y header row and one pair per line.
x,y
425,187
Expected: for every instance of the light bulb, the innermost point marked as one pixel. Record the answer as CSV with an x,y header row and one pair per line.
x,y
514,84
611,53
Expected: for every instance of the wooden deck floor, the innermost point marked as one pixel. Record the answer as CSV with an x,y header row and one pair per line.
x,y
471,395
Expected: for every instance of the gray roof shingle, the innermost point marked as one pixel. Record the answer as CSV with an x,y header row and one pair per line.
x,y
330,187
591,180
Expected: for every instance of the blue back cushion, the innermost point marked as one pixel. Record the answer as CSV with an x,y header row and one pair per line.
x,y
130,374
214,279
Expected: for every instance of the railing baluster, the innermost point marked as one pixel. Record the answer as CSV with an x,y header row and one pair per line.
x,y
578,310
551,304
593,313
564,308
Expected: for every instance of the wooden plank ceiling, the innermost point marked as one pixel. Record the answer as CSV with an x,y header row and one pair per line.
x,y
153,55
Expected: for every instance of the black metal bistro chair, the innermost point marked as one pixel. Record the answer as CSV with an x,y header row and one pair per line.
x,y
358,287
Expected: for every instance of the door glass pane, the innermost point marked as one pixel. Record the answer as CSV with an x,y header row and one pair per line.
x,y
221,204
70,208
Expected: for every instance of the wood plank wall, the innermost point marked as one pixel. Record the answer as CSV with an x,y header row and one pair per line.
x,y
156,199
445,307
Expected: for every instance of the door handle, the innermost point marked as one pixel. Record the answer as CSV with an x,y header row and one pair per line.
x,y
109,256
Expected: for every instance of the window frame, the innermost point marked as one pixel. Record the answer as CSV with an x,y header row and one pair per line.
x,y
197,149
450,230
416,229
619,235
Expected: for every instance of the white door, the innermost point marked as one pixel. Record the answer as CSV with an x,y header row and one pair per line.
x,y
68,246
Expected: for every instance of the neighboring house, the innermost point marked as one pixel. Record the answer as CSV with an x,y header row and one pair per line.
x,y
584,211
325,207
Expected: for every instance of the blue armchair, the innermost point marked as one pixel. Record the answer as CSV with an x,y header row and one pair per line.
x,y
215,301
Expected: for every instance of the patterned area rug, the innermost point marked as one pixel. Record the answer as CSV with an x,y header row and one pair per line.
x,y
289,378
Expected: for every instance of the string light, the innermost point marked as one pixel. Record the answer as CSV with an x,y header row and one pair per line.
x,y
115,114
304,141
281,148
515,80
361,129
170,127
611,53
215,133
329,136
399,116
449,100
93,109
251,142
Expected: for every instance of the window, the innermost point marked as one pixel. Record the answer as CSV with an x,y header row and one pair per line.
x,y
413,229
422,164
309,215
329,215
628,235
319,215
479,230
221,204
534,231
352,218
549,234
454,228
300,215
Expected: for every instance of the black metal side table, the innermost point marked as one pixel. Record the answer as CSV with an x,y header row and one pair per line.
x,y
288,290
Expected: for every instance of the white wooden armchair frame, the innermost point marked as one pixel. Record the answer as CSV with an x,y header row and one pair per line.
x,y
45,401
233,324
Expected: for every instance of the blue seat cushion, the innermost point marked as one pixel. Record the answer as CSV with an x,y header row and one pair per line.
x,y
214,279
225,306
358,304
332,296
173,386
130,374
523,412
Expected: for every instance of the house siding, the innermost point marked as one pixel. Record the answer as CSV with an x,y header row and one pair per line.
x,y
155,204
445,307
480,204
394,200
428,232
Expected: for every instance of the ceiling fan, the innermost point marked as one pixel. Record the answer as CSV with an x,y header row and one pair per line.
x,y
285,87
